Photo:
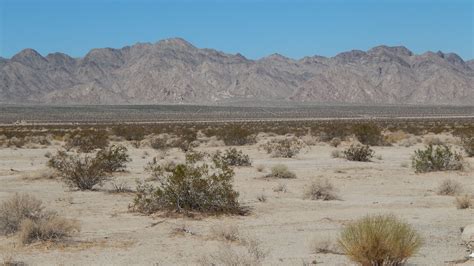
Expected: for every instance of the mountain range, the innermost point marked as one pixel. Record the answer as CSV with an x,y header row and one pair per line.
x,y
175,71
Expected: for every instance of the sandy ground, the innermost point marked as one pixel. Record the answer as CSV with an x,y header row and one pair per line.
x,y
286,224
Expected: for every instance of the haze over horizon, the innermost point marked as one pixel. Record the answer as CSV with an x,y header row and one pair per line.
x,y
255,29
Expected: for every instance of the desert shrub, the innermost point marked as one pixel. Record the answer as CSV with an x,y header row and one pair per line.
x,y
226,232
368,134
468,145
379,240
51,228
464,202
248,253
326,245
360,153
187,140
335,142
186,187
337,154
320,190
16,209
195,156
87,140
449,188
235,135
130,132
113,159
436,158
82,172
281,171
285,148
233,157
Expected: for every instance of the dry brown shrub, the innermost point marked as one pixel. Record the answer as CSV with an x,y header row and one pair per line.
x,y
320,190
449,188
52,228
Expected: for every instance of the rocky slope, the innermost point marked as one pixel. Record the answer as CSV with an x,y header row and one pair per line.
x,y
174,71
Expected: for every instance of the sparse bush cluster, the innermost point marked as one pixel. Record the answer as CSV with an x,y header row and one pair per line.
x,y
130,132
87,140
449,188
188,187
284,148
86,171
379,240
360,153
436,158
26,215
234,135
233,157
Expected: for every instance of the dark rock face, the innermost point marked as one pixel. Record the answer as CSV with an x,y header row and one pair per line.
x,y
175,71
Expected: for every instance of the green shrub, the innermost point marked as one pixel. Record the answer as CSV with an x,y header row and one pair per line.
x,y
436,158
82,172
87,140
468,145
233,157
284,148
359,153
379,240
114,158
281,171
368,134
186,187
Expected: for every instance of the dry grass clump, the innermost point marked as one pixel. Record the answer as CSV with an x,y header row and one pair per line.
x,y
281,171
449,187
320,190
359,153
189,187
26,215
468,145
325,246
337,154
87,140
436,158
16,209
284,148
233,157
464,202
335,142
248,253
379,240
226,232
51,228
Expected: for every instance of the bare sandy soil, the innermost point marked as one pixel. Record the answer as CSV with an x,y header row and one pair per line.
x,y
286,225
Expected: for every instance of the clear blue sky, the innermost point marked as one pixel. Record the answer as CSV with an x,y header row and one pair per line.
x,y
257,28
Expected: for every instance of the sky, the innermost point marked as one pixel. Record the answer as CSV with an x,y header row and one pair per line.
x,y
254,28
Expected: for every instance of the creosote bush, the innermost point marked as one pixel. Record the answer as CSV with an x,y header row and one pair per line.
x,y
320,190
234,135
379,240
436,158
468,145
114,158
84,171
189,187
285,148
128,132
360,153
87,140
449,188
281,171
233,157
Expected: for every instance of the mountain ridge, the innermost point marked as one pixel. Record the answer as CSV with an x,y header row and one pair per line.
x,y
175,71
